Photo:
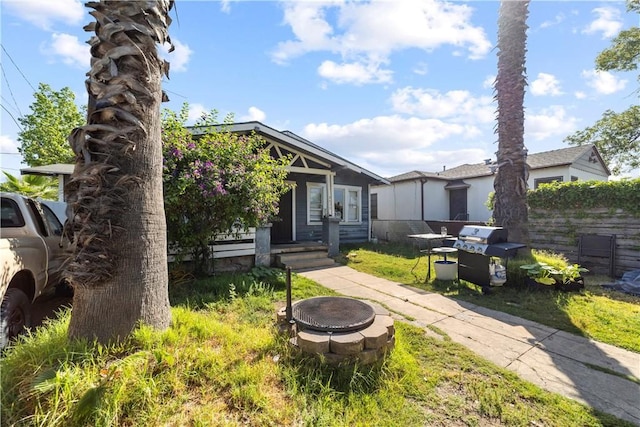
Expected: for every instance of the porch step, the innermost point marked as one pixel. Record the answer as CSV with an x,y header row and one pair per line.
x,y
304,260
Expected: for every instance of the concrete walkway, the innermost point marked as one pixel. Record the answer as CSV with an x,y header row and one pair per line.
x,y
557,361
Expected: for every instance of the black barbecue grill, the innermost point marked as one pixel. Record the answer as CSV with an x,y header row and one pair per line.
x,y
476,245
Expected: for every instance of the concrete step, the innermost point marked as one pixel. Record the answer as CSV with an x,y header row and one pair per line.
x,y
305,264
304,260
293,256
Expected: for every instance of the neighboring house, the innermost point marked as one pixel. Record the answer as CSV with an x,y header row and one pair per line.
x,y
324,185
461,193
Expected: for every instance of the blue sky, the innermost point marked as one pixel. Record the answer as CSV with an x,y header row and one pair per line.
x,y
393,86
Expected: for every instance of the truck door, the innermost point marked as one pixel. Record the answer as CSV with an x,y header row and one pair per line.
x,y
51,231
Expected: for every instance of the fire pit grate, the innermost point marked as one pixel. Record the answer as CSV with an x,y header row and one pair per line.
x,y
333,314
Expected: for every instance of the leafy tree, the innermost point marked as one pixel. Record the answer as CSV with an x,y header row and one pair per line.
x,y
617,135
43,138
214,182
35,186
510,199
117,224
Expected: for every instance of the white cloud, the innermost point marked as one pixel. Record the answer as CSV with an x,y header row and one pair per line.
x,y
69,50
177,59
254,114
389,145
608,22
421,69
43,13
558,19
8,145
368,32
488,81
546,84
457,105
603,82
549,122
580,95
355,73
196,111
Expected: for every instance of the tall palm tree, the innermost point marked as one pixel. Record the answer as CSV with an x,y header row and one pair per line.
x,y
119,266
510,203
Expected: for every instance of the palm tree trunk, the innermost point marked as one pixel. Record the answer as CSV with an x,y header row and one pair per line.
x,y
119,267
510,204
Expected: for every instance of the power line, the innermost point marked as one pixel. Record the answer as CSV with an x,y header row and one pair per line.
x,y
9,87
17,68
14,119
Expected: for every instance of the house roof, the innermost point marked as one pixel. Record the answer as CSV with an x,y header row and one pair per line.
x,y
303,144
49,170
546,159
413,175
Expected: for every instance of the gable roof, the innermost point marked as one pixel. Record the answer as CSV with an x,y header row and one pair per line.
x,y
545,159
300,143
413,175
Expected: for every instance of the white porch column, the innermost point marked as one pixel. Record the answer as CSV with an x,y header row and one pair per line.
x,y
330,204
61,188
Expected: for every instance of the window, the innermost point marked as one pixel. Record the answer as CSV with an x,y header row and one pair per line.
x,y
374,206
52,220
538,181
347,203
11,215
315,202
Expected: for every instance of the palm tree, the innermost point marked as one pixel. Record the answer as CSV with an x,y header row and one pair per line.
x,y
510,203
34,186
119,266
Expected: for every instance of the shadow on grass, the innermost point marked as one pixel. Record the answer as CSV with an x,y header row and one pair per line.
x,y
572,357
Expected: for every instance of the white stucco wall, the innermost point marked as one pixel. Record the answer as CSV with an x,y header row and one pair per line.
x,y
477,195
436,205
399,200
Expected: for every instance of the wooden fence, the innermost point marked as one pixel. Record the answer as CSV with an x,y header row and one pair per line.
x,y
229,246
559,231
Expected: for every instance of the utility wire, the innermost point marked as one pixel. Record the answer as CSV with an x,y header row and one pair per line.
x,y
17,68
9,87
14,119
7,103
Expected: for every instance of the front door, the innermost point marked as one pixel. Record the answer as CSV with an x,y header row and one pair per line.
x,y
282,227
458,204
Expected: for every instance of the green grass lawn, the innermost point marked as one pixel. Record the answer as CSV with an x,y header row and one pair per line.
x,y
223,363
607,316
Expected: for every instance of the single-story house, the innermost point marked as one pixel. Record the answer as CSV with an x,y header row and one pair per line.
x,y
461,193
324,184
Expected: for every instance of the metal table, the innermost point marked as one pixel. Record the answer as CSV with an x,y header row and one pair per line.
x,y
429,237
444,251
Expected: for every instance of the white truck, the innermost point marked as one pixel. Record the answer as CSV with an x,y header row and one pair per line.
x,y
32,250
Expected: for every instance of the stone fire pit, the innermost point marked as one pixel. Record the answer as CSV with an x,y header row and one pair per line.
x,y
340,329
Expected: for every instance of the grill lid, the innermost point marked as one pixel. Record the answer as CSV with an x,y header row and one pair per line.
x,y
333,314
482,234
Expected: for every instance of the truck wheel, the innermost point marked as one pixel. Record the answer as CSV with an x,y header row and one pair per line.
x,y
15,315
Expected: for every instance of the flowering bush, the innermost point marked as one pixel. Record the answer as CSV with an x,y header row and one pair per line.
x,y
215,182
